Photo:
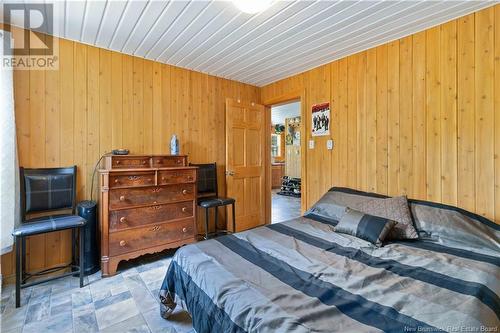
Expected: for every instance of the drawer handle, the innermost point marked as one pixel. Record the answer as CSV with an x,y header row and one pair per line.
x,y
156,228
189,178
155,190
143,162
184,209
184,230
158,161
184,191
123,243
155,207
123,219
134,177
163,178
122,198
179,161
117,162
116,181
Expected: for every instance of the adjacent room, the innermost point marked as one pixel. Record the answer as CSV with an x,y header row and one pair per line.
x,y
212,166
285,161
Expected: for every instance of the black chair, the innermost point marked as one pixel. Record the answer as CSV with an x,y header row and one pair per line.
x,y
43,191
208,195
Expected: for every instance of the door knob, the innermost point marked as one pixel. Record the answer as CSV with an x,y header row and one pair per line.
x,y
229,173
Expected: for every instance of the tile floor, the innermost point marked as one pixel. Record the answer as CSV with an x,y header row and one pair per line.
x,y
284,207
126,302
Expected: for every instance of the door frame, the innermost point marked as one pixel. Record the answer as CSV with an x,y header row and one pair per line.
x,y
295,95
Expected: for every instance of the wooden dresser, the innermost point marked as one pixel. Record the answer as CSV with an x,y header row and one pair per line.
x,y
147,204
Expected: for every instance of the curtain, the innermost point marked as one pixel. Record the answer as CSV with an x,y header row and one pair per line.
x,y
9,174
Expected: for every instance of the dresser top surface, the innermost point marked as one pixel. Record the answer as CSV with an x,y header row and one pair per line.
x,y
145,155
146,169
144,162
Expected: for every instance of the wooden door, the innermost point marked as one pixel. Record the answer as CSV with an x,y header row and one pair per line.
x,y
246,161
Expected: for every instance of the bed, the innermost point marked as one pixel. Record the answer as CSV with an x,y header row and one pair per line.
x,y
301,276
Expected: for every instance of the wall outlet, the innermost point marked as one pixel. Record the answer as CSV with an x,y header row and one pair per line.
x,y
311,144
329,144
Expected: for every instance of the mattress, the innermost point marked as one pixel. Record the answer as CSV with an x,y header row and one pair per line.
x,y
301,276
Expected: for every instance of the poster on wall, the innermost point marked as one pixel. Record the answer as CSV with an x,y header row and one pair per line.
x,y
321,119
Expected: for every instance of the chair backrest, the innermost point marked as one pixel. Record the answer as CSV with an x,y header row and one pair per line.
x,y
47,189
207,178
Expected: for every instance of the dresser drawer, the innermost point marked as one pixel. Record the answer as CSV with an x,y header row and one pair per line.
x,y
153,235
128,218
169,161
130,197
132,179
125,162
176,176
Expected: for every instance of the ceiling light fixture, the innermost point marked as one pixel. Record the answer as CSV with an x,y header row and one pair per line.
x,y
252,6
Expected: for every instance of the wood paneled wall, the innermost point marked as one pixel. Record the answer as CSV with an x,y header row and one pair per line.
x,y
99,100
418,116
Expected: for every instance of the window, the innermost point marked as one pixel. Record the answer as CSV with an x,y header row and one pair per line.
x,y
9,179
275,145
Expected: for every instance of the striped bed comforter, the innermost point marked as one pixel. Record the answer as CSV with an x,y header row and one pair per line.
x,y
300,276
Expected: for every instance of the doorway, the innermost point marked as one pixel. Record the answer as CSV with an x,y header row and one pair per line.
x,y
286,161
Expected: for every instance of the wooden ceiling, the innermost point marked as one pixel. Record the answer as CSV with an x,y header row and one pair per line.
x,y
216,38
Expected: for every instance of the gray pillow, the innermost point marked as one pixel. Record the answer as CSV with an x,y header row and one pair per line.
x,y
368,227
395,209
455,227
331,207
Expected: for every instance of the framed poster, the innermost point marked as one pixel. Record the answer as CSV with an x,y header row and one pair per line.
x,y
321,119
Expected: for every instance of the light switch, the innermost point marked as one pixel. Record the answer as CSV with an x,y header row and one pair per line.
x,y
311,144
329,144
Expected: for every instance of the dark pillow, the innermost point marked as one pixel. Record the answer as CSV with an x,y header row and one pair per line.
x,y
368,227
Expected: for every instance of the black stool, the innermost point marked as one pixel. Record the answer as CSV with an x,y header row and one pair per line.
x,y
47,190
208,195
